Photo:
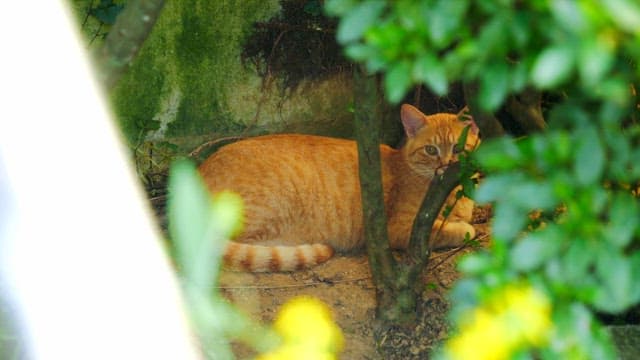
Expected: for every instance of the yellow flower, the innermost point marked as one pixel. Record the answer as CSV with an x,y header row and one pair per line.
x,y
477,339
527,314
307,330
511,319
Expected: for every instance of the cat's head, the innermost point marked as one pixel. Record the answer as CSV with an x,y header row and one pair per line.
x,y
432,140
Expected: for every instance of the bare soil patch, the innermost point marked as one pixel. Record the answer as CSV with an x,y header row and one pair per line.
x,y
344,283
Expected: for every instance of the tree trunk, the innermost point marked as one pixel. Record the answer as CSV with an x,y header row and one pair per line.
x,y
489,126
526,109
125,38
395,300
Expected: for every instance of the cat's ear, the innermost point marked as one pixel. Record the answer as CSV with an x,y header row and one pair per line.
x,y
412,119
465,116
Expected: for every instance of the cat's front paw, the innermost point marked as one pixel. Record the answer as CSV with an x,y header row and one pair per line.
x,y
467,228
453,234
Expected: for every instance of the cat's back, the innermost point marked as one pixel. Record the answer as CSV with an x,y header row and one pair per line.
x,y
287,145
304,185
278,155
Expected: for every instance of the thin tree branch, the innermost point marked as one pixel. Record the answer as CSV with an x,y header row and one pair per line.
x,y
196,152
128,33
290,27
87,14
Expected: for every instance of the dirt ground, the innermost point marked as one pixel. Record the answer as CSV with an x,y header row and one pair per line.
x,y
344,283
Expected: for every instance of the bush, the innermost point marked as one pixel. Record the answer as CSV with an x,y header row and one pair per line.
x,y
579,177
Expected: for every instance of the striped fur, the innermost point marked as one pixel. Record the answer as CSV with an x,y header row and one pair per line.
x,y
258,258
302,194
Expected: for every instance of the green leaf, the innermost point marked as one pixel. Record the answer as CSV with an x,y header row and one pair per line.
x,y
553,271
360,52
553,66
474,264
535,248
626,13
493,37
534,194
339,7
577,261
620,152
509,220
595,60
493,187
464,294
581,335
389,39
569,15
494,86
376,63
624,218
616,282
499,154
563,185
601,347
226,214
589,158
634,260
429,70
635,165
462,139
519,76
188,211
199,224
397,81
358,20
519,29
615,89
208,324
559,147
444,19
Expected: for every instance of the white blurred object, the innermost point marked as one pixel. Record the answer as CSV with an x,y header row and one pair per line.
x,y
79,257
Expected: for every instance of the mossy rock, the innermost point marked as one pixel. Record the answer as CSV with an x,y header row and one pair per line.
x,y
191,83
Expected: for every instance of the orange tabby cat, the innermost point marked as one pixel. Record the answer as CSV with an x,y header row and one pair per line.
x,y
302,193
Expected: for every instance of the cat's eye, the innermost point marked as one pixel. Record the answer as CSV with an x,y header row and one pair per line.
x,y
457,148
431,150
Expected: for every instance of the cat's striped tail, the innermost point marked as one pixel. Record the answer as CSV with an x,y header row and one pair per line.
x,y
260,258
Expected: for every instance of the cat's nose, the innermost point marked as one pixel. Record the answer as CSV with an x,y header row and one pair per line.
x,y
444,163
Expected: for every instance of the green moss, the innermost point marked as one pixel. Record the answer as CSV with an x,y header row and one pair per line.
x,y
195,49
133,104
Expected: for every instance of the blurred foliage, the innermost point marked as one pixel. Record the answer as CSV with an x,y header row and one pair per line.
x,y
96,17
106,11
12,345
584,169
511,319
200,225
504,44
